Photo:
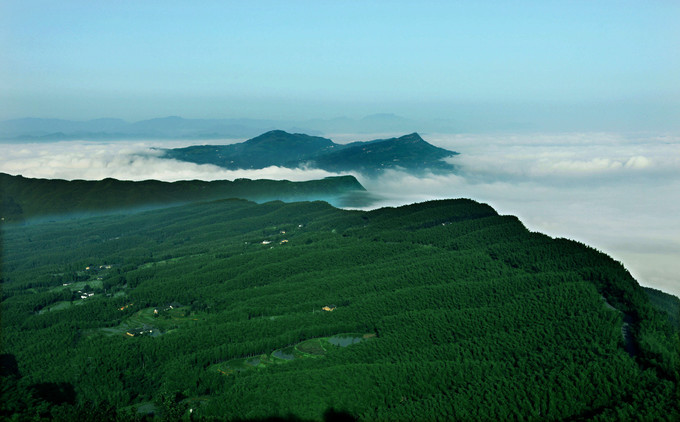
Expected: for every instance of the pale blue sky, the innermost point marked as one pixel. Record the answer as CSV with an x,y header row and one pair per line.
x,y
306,59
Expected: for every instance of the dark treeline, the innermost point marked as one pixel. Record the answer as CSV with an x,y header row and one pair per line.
x,y
25,199
470,316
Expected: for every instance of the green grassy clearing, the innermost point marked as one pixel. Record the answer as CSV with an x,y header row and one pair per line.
x,y
167,321
242,364
61,305
80,285
167,261
312,348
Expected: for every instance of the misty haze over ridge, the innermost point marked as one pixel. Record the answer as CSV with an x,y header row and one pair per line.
x,y
174,127
603,189
476,118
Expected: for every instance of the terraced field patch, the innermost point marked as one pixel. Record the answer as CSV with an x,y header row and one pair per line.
x,y
242,364
312,348
287,353
344,340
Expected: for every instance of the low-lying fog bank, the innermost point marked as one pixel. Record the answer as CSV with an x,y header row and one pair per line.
x,y
618,193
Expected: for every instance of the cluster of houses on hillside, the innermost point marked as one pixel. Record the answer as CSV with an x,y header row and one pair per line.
x,y
135,332
267,242
84,295
170,306
99,268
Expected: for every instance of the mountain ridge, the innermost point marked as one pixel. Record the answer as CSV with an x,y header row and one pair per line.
x,y
27,198
279,148
175,127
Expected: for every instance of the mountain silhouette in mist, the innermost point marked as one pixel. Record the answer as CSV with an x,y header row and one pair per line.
x,y
175,127
282,149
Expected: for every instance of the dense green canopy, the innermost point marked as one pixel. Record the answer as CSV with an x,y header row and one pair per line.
x,y
440,310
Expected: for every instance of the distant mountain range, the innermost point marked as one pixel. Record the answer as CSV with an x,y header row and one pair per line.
x,y
23,198
279,148
173,127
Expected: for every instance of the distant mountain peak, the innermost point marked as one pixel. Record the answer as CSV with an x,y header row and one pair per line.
x,y
292,139
279,148
177,127
412,137
277,132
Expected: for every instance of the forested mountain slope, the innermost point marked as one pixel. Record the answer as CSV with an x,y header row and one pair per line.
x,y
25,198
279,148
234,310
273,148
666,303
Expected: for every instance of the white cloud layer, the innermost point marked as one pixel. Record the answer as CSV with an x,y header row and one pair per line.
x,y
126,161
620,194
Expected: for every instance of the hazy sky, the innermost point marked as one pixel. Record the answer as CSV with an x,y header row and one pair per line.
x,y
302,59
595,69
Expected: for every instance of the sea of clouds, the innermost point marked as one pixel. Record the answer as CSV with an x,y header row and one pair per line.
x,y
617,193
127,160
